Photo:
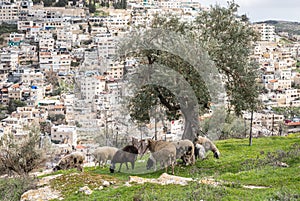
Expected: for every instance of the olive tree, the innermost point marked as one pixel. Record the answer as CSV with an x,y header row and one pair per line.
x,y
217,39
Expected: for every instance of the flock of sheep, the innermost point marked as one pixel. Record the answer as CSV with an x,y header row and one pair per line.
x,y
162,153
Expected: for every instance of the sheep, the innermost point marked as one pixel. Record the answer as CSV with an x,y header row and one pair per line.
x,y
72,160
127,154
103,154
164,157
208,145
199,151
162,152
185,151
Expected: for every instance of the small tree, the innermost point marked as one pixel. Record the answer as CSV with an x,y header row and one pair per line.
x,y
14,104
21,156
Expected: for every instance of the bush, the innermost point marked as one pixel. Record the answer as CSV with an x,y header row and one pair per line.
x,y
11,189
21,156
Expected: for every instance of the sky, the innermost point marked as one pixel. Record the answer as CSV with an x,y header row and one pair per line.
x,y
262,10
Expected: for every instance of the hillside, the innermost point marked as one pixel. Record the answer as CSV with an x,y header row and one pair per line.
x,y
284,26
258,172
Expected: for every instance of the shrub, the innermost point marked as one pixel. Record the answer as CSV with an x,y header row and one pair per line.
x,y
21,156
11,189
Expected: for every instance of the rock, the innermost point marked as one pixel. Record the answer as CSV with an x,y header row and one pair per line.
x,y
280,164
164,179
105,183
86,190
127,184
209,181
46,180
99,188
41,194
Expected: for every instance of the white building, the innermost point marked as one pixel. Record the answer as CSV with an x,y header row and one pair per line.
x,y
91,86
266,31
9,59
9,12
64,134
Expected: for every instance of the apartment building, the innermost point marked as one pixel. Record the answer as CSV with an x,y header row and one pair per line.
x,y
31,114
284,74
25,25
91,86
272,121
64,38
68,101
267,32
63,134
106,44
292,95
115,70
47,42
4,96
46,60
9,12
61,61
14,92
28,54
9,59
58,109
292,127
267,122
30,78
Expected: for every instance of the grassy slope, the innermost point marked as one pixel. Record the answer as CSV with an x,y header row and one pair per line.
x,y
239,165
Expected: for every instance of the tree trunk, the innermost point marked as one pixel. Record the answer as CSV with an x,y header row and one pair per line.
x,y
191,125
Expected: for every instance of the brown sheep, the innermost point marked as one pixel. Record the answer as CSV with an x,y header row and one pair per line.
x,y
162,152
185,151
73,160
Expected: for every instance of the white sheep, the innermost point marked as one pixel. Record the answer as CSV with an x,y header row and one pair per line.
x,y
199,151
103,154
208,145
185,151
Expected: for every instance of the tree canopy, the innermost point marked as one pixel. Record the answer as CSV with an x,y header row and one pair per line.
x,y
220,33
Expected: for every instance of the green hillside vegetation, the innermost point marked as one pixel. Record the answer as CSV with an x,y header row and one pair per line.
x,y
7,28
238,166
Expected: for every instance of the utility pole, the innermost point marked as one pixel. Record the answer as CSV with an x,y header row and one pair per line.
x,y
117,133
250,136
272,125
106,129
155,125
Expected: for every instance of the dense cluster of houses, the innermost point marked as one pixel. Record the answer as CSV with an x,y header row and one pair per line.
x,y
68,49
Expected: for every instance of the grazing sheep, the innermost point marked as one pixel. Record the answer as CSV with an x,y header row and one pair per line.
x,y
199,151
185,151
162,152
208,145
73,160
164,157
103,154
127,154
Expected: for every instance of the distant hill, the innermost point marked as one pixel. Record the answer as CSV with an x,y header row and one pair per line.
x,y
284,26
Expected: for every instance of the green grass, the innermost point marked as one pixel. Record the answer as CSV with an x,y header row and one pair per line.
x,y
239,165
